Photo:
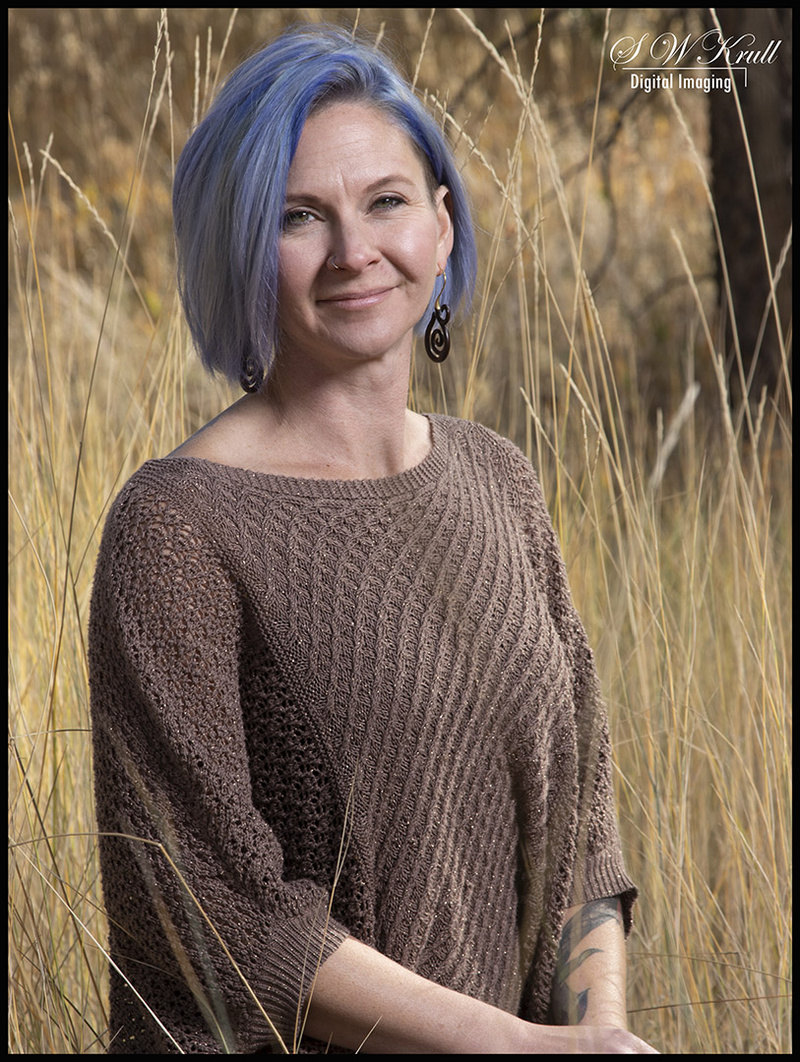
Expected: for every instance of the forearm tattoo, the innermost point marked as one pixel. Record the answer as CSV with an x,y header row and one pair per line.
x,y
569,1007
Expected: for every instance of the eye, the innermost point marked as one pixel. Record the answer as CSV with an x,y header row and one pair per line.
x,y
388,202
295,219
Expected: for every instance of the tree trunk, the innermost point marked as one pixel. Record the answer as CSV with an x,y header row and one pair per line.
x,y
767,109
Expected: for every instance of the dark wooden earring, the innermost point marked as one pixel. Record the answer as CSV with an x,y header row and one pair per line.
x,y
251,376
437,336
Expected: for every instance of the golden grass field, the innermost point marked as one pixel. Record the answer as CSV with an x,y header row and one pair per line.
x,y
593,343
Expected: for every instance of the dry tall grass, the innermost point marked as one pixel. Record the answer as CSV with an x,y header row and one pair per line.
x,y
595,309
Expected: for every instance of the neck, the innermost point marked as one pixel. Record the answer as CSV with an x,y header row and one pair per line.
x,y
352,425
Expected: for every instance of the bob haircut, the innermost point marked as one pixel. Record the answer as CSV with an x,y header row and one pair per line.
x,y
230,188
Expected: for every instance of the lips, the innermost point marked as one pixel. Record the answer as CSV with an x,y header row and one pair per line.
x,y
355,299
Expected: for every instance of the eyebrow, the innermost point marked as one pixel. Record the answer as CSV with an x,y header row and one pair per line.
x,y
373,186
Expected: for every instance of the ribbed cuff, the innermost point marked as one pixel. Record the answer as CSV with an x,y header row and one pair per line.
x,y
296,951
605,875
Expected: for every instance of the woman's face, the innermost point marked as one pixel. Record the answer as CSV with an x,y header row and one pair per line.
x,y
357,195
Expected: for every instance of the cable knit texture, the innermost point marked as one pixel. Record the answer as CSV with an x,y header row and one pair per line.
x,y
324,708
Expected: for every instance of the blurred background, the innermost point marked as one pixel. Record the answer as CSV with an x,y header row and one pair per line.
x,y
631,332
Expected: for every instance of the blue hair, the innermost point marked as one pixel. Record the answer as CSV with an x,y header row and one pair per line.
x,y
230,187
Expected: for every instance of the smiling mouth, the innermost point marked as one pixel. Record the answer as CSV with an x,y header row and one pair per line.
x,y
353,299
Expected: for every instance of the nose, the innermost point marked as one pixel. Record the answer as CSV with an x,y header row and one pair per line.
x,y
353,246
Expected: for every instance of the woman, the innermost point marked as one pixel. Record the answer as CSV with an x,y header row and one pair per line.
x,y
352,771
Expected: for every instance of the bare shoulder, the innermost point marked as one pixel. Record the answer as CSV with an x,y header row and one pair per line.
x,y
221,439
242,436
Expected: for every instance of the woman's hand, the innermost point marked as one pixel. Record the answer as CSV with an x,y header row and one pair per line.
x,y
584,1040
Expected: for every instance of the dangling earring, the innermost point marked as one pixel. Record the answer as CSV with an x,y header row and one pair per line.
x,y
437,337
251,377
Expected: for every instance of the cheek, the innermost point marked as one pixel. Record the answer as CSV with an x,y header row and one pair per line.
x,y
415,248
297,267
428,237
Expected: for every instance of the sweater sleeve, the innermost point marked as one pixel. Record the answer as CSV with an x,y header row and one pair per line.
x,y
599,868
195,891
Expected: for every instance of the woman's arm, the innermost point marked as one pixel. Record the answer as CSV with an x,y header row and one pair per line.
x,y
589,979
363,1000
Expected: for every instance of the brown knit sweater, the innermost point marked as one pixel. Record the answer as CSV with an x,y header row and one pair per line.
x,y
325,708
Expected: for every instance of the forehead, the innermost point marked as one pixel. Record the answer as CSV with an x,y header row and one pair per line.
x,y
349,137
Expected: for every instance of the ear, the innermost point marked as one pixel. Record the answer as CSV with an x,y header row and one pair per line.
x,y
444,220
